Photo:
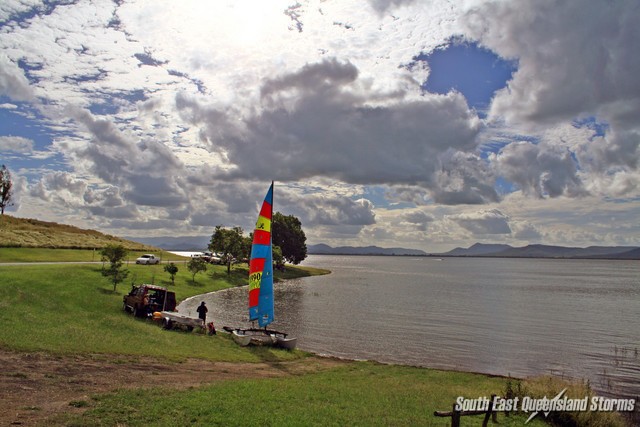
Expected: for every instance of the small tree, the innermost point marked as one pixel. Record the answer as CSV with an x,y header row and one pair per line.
x,y
195,266
114,254
229,243
5,188
172,269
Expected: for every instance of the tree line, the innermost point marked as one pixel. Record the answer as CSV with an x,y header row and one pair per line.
x,y
288,240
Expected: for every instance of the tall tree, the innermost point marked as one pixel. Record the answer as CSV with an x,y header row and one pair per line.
x,y
5,188
286,232
115,254
229,244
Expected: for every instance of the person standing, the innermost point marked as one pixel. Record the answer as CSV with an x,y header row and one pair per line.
x,y
202,312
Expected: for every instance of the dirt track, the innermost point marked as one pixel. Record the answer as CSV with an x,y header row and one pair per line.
x,y
36,386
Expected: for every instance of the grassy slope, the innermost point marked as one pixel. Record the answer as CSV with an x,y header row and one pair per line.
x,y
32,233
75,311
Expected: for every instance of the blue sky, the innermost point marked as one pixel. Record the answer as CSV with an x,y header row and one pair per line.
x,y
389,123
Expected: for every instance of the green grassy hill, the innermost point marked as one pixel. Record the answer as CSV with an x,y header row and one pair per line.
x,y
33,233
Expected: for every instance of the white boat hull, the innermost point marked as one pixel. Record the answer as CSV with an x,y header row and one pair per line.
x,y
172,318
241,340
286,343
245,337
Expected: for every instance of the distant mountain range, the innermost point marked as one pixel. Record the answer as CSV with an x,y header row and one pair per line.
x,y
322,249
546,251
182,243
199,243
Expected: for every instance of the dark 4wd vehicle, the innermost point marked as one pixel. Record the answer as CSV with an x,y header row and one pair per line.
x,y
143,300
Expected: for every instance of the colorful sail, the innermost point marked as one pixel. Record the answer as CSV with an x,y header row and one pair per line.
x,y
261,266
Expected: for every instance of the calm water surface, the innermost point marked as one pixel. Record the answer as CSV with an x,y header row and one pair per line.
x,y
577,318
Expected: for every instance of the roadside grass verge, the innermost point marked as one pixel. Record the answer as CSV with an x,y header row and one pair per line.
x,y
358,394
72,255
69,309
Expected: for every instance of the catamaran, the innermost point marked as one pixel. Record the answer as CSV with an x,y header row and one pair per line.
x,y
261,286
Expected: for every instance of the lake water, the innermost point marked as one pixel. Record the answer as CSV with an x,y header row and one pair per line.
x,y
574,318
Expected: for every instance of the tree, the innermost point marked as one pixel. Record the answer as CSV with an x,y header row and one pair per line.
x,y
286,232
229,244
114,254
5,188
278,260
172,269
195,266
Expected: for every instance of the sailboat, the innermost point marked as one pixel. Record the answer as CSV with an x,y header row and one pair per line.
x,y
261,285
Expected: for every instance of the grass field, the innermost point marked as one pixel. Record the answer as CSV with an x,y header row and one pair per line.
x,y
70,309
359,394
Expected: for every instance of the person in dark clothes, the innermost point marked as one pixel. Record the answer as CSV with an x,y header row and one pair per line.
x,y
202,312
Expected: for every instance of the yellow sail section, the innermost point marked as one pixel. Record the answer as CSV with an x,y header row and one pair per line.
x,y
263,224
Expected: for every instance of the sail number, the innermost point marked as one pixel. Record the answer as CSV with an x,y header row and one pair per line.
x,y
254,280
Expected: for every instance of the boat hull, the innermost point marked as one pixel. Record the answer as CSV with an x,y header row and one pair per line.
x,y
286,343
259,337
241,339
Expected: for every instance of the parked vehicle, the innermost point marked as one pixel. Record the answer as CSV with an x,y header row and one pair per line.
x,y
210,257
145,299
148,259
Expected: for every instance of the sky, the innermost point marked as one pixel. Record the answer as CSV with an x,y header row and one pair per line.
x,y
419,124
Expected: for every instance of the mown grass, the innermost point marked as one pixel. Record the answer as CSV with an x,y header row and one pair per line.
x,y
71,309
359,394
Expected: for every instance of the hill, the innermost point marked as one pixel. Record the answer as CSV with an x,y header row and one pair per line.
x,y
547,251
33,233
322,249
181,243
479,249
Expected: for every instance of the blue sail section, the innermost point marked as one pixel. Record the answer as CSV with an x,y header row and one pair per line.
x,y
265,304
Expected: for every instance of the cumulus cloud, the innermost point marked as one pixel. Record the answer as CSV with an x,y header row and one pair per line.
x,y
418,219
147,172
330,210
485,222
13,82
315,122
573,63
539,169
572,59
62,188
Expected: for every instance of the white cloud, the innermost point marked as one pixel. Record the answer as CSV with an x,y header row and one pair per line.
x,y
13,82
16,144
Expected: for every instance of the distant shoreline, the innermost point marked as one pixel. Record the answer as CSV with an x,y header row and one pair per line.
x,y
477,256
